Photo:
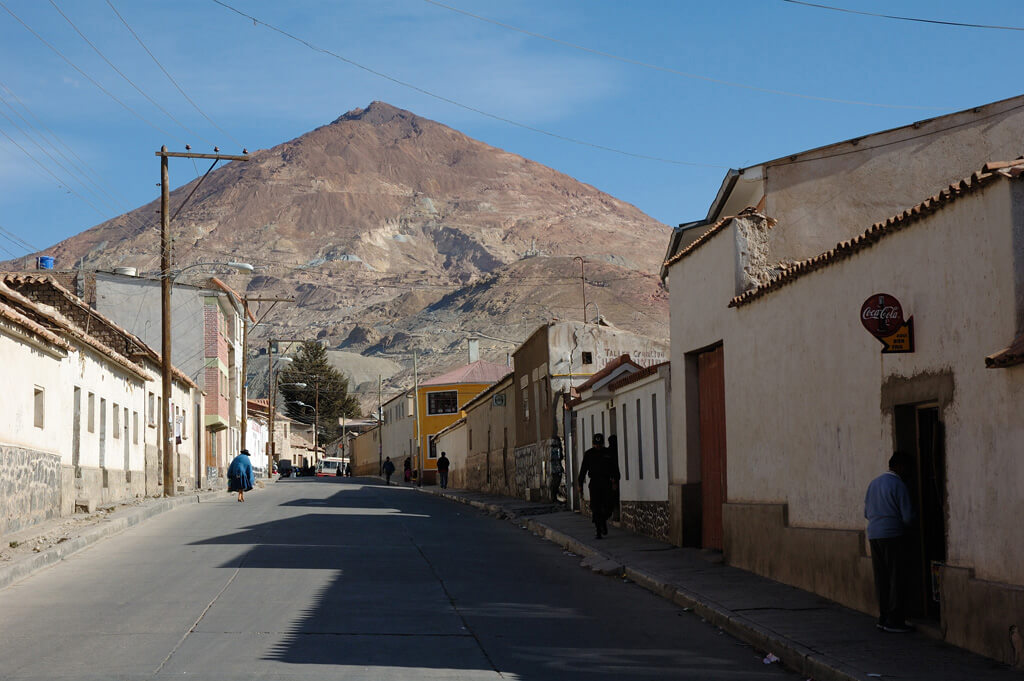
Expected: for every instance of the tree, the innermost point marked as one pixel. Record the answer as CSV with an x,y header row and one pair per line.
x,y
325,387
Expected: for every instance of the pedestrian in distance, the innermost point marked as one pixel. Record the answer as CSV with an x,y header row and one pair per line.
x,y
240,475
389,468
408,469
889,513
443,464
603,468
348,470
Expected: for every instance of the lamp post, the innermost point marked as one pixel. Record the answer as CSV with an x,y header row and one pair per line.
x,y
166,284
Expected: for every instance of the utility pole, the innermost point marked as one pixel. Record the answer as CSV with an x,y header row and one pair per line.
x,y
169,463
380,426
245,360
583,278
416,414
270,407
316,415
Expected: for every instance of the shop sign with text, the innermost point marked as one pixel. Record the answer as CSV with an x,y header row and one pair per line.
x,y
882,316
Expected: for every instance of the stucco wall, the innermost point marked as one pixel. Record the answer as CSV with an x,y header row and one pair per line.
x,y
30,487
805,423
649,482
829,195
453,443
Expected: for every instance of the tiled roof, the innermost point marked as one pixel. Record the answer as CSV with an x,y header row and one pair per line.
x,y
606,370
480,371
1008,356
38,279
989,173
65,325
636,376
9,313
713,230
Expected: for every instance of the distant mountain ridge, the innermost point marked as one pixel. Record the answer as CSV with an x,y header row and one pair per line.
x,y
386,226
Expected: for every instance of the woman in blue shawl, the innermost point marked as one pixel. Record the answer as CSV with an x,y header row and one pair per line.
x,y
240,475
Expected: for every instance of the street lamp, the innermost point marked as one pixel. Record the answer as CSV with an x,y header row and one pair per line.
x,y
167,282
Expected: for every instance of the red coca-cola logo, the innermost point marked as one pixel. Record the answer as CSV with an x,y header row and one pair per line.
x,y
881,315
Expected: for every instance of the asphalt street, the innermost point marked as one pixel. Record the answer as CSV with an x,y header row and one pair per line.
x,y
331,578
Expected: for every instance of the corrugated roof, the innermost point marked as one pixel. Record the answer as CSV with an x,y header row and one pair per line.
x,y
480,371
989,173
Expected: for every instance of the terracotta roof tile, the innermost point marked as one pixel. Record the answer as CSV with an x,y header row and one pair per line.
x,y
606,370
713,230
989,173
480,371
634,377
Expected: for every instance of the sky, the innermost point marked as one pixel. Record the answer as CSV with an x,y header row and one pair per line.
x,y
634,126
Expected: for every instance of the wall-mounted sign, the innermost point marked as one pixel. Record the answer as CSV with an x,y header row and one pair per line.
x,y
498,400
882,316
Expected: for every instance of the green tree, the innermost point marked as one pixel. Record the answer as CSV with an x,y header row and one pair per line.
x,y
325,391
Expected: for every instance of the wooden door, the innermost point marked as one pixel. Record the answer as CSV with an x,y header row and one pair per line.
x,y
711,399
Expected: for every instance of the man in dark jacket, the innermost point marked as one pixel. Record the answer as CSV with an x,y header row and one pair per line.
x,y
443,464
603,467
389,468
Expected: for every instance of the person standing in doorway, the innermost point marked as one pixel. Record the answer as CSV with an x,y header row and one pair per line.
x,y
408,469
389,468
889,513
443,464
240,475
603,468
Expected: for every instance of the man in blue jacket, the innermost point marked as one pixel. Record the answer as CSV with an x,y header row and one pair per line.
x,y
889,512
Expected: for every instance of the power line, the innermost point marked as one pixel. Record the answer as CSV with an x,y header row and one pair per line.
x,y
893,16
171,78
18,241
467,107
684,74
126,78
88,77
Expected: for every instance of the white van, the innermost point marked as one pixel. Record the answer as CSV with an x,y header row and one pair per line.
x,y
330,466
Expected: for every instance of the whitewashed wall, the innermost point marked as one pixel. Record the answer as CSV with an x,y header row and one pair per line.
x,y
643,451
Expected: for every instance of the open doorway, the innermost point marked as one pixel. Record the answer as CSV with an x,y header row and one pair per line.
x,y
920,433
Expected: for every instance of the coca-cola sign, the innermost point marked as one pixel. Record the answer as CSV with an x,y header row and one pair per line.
x,y
882,316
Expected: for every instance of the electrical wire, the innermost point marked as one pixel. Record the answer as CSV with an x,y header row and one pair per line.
x,y
18,241
684,74
460,105
171,78
899,18
88,77
126,78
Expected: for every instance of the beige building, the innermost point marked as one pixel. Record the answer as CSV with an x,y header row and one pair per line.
x,y
785,406
452,441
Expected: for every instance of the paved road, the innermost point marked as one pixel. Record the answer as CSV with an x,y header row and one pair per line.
x,y
327,578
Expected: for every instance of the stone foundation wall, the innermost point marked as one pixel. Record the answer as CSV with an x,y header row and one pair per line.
x,y
650,518
30,487
531,472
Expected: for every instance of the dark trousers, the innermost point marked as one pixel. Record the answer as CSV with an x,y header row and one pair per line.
x,y
443,475
889,560
601,506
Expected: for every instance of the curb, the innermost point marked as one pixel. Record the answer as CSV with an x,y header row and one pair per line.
x,y
805,661
25,568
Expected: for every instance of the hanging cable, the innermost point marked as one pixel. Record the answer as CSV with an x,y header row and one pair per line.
x,y
899,18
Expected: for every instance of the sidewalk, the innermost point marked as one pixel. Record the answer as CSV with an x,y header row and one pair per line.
x,y
33,548
811,635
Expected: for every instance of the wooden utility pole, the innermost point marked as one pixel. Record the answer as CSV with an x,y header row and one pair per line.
x,y
170,477
380,425
416,414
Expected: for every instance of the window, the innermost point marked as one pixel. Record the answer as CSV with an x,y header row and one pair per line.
x,y
91,416
151,419
446,402
135,427
639,441
588,358
526,405
38,407
654,429
117,421
470,440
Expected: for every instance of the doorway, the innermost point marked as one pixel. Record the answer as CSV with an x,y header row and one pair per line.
x,y
920,433
711,405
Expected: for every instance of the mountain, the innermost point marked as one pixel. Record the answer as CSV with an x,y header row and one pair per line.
x,y
394,232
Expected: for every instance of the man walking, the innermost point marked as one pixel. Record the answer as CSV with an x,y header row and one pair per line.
x,y
603,467
389,468
889,512
443,464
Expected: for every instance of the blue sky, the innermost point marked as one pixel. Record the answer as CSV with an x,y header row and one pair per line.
x,y
264,89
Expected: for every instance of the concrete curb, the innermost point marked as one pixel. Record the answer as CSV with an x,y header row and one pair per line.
x,y
20,570
805,661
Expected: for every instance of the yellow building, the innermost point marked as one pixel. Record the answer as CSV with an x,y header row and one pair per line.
x,y
440,402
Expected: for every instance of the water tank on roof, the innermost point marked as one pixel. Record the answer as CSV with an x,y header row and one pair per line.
x,y
127,271
44,262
